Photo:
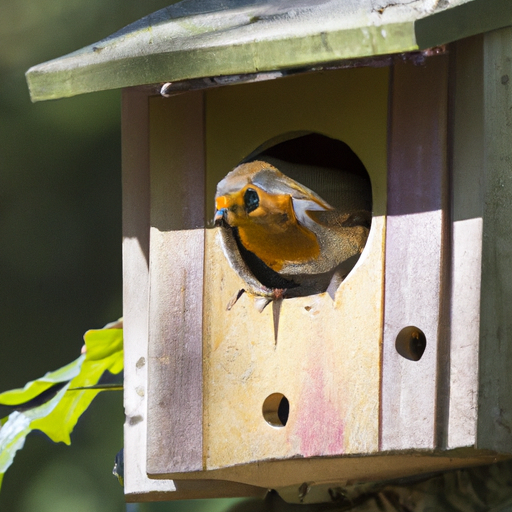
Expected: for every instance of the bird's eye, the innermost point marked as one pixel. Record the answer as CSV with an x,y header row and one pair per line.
x,y
251,200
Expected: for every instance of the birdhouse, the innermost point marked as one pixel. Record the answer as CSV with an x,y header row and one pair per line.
x,y
403,367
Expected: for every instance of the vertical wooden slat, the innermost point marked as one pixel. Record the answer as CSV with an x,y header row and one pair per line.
x,y
417,183
176,284
467,165
135,158
494,429
328,354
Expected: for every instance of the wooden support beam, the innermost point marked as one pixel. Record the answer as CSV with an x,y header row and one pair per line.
x,y
467,164
135,159
175,404
417,204
494,428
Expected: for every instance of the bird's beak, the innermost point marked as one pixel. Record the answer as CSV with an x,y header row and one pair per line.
x,y
221,209
219,216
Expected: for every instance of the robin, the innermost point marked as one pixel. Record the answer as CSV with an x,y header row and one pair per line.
x,y
282,238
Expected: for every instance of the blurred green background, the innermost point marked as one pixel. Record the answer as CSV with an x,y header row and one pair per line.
x,y
60,247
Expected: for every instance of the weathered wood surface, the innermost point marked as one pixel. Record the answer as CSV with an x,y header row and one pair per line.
x,y
175,410
135,145
328,354
466,243
274,474
415,232
327,358
215,39
494,429
136,225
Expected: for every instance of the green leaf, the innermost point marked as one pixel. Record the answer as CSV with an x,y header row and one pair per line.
x,y
57,416
12,437
101,387
18,425
104,352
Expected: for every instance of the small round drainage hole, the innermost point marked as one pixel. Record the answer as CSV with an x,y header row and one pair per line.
x,y
411,343
276,409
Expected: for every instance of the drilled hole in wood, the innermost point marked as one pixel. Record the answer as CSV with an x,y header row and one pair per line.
x,y
276,409
411,343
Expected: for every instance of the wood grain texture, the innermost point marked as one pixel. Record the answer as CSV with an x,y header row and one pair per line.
x,y
175,408
327,357
136,224
494,429
417,200
275,474
135,161
467,165
326,363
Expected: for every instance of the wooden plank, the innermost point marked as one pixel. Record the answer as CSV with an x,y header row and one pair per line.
x,y
468,162
417,202
327,357
205,489
342,471
175,408
494,429
135,160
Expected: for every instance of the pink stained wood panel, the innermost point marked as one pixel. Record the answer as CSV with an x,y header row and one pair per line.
x,y
328,354
175,409
415,250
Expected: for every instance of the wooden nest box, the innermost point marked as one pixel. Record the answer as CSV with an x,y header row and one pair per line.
x,y
408,369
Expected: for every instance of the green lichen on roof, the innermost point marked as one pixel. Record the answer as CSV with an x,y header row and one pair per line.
x,y
211,38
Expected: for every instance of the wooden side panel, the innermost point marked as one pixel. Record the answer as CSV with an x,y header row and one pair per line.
x,y
468,153
494,428
327,357
417,196
135,143
175,407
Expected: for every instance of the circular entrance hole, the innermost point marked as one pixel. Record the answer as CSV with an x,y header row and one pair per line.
x,y
295,214
276,409
411,343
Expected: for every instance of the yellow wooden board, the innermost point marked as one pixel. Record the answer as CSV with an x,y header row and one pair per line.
x,y
328,354
348,104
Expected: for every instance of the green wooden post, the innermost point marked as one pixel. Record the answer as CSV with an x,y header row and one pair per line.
x,y
495,394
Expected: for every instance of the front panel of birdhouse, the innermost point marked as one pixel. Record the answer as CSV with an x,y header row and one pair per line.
x,y
321,355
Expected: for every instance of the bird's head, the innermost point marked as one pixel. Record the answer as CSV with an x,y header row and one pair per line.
x,y
280,235
252,206
256,193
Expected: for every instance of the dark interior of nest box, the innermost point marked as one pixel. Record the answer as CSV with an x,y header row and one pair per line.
x,y
327,166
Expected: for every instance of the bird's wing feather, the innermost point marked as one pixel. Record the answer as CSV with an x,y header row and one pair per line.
x,y
274,182
302,207
338,219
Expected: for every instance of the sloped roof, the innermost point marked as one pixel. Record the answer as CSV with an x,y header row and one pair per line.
x,y
213,38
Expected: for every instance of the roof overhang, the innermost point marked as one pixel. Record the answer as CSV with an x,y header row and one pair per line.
x,y
208,38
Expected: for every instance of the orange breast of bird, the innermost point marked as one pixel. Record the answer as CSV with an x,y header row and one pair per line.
x,y
274,235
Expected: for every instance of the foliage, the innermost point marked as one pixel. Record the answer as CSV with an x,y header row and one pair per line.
x,y
54,403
